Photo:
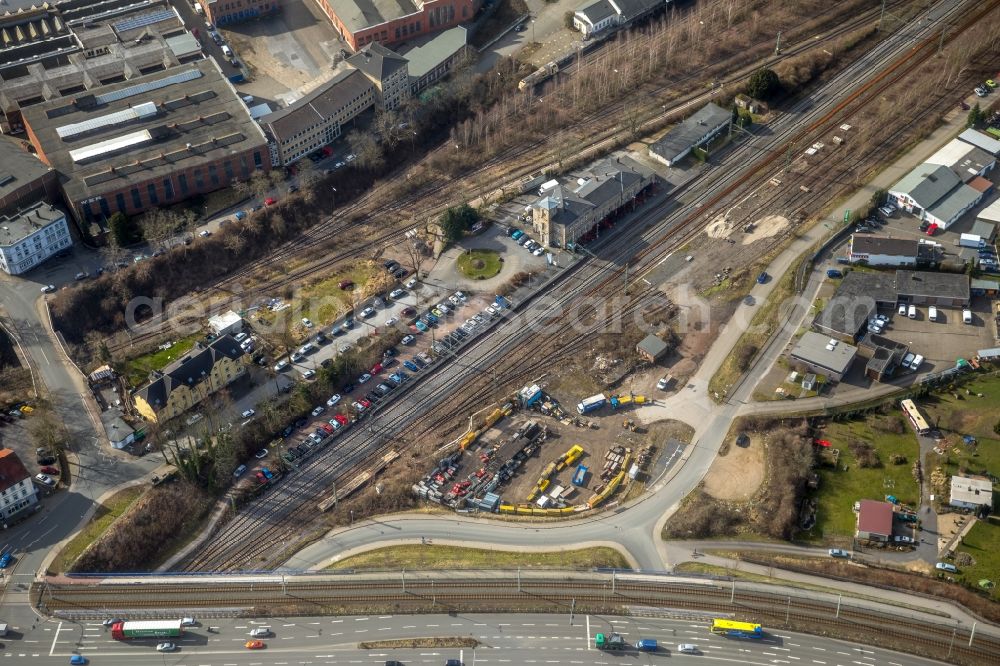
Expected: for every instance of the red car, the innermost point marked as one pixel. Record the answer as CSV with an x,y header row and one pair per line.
x,y
254,645
377,368
260,477
931,230
270,201
365,403
327,428
49,470
341,419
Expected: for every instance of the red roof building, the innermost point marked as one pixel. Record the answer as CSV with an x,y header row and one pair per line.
x,y
874,520
17,492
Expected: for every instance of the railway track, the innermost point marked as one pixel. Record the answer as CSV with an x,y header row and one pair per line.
x,y
775,608
323,234
414,416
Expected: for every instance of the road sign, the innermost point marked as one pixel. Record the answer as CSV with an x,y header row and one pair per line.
x,y
847,215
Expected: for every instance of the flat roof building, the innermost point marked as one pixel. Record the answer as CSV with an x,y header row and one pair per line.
x,y
966,160
24,179
436,59
823,355
879,251
971,492
928,288
31,236
981,140
855,302
704,124
652,347
151,141
934,193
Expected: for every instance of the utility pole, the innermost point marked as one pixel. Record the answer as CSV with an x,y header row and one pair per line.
x,y
777,45
519,579
403,577
572,610
952,643
972,634
788,610
881,16
614,581
840,597
732,596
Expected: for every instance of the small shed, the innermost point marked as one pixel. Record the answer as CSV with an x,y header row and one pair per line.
x,y
652,348
227,323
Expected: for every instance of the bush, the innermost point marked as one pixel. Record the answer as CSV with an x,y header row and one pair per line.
x,y
744,356
140,537
865,454
763,83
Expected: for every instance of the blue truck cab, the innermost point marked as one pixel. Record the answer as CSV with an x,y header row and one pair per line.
x,y
646,645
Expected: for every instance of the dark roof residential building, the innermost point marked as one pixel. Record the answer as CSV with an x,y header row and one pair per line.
x,y
874,520
387,70
147,142
880,251
317,119
697,130
17,491
823,355
189,380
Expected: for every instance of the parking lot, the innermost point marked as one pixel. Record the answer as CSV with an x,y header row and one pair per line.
x,y
944,341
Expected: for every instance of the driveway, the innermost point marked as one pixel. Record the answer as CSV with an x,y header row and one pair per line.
x,y
515,259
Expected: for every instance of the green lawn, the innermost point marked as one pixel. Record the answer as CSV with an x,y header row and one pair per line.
x,y
480,264
969,414
452,557
325,301
983,544
138,369
106,513
839,489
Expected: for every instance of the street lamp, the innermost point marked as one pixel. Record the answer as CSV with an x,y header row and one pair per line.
x,y
334,196
532,31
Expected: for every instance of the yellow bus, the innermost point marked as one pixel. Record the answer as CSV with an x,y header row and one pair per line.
x,y
915,417
735,629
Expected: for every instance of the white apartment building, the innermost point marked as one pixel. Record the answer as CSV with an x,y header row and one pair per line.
x,y
17,490
32,236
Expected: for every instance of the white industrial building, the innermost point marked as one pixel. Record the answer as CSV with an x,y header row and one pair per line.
x,y
823,355
878,251
965,159
227,323
934,193
32,236
982,141
971,492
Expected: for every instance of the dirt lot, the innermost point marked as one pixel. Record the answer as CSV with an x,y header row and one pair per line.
x,y
738,474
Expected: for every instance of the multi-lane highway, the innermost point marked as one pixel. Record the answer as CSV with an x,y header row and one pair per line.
x,y
502,639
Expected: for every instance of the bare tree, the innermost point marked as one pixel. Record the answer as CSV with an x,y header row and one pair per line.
x,y
368,151
260,185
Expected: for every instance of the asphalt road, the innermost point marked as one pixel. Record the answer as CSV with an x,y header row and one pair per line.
x,y
504,639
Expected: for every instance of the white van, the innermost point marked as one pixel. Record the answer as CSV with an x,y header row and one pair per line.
x,y
226,51
932,313
967,316
198,9
945,566
912,312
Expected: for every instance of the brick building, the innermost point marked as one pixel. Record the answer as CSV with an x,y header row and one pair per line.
x,y
361,22
147,142
24,179
227,12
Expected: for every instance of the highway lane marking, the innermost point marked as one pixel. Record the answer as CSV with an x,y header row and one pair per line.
x,y
335,621
55,638
385,617
588,632
819,648
817,661
410,626
361,619
864,650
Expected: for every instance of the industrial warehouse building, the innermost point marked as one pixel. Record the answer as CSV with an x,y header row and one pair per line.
x,y
598,15
31,236
24,179
62,49
148,142
573,211
227,12
967,161
703,126
982,141
824,356
934,193
860,294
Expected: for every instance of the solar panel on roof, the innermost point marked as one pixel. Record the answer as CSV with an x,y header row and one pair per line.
x,y
148,86
144,20
138,112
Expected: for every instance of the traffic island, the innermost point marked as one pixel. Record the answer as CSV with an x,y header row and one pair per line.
x,y
480,264
413,643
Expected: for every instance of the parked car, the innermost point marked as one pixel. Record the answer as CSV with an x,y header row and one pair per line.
x,y
45,480
412,283
334,399
408,340
247,413
308,373
917,362
48,289
260,455
839,552
51,471
397,294
317,410
944,566
280,365
364,378
410,365
368,312
5,560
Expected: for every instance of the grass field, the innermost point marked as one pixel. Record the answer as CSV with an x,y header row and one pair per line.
x,y
324,301
983,544
453,557
968,414
138,369
106,513
479,264
839,489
